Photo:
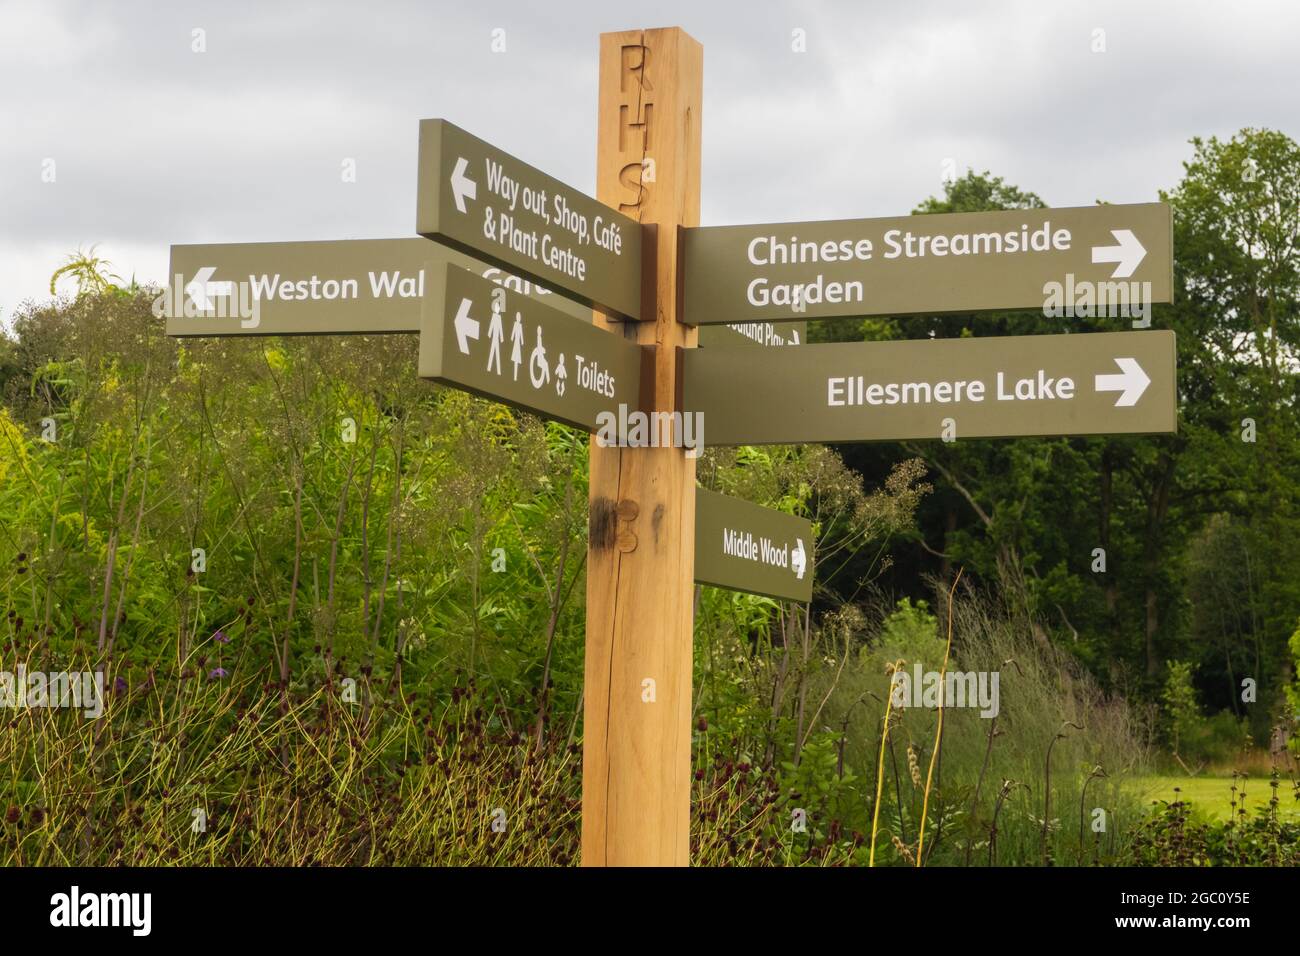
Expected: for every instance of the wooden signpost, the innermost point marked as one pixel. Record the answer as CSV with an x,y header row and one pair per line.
x,y
636,778
1104,383
325,287
480,337
771,334
483,201
745,547
495,301
952,262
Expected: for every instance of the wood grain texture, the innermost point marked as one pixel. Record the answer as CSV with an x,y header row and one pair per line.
x,y
636,754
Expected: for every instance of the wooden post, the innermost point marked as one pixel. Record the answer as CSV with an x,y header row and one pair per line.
x,y
640,562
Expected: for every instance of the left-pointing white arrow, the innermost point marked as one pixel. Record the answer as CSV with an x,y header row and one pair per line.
x,y
1130,383
461,185
1126,256
201,287
466,328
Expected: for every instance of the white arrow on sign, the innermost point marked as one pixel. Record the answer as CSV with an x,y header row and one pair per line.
x,y
462,185
201,287
1131,382
1126,256
466,328
798,559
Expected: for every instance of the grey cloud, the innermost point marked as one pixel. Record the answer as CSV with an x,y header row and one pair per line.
x,y
156,144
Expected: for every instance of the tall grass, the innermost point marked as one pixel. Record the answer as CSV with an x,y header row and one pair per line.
x,y
985,764
200,772
384,692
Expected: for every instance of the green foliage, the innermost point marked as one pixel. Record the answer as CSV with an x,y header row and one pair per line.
x,y
910,632
1175,836
434,569
1194,527
1293,692
979,192
1192,735
364,534
989,765
92,276
1184,717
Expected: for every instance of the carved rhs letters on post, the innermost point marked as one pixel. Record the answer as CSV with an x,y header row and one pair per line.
x,y
635,115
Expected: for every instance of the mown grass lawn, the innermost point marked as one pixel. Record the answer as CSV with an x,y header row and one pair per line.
x,y
1212,796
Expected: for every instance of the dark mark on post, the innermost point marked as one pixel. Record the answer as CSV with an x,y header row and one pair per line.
x,y
602,524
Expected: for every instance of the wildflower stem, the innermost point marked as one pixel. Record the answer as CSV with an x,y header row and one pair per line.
x,y
938,733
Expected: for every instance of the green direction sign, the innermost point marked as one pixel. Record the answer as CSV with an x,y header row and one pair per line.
x,y
1100,383
349,286
754,333
482,201
746,547
482,337
1071,260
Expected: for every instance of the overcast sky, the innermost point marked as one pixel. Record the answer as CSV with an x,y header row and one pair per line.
x,y
154,144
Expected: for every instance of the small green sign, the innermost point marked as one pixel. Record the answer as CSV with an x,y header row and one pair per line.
x,y
1077,261
484,338
484,202
1101,383
769,334
348,286
746,547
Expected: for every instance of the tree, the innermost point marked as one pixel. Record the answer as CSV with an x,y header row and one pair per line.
x,y
1237,238
91,275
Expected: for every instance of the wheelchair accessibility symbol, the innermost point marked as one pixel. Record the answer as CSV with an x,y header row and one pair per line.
x,y
539,373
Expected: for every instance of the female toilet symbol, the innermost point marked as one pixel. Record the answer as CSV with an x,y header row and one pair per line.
x,y
560,376
517,344
538,371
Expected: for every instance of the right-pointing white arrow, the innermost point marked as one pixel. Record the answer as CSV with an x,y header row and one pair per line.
x,y
466,328
201,287
1130,383
462,185
798,559
1126,256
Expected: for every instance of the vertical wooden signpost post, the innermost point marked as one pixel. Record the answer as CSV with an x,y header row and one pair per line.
x,y
636,765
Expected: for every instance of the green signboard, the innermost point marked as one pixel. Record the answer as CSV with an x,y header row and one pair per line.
x,y
770,334
746,547
348,286
1104,383
1066,259
480,336
484,202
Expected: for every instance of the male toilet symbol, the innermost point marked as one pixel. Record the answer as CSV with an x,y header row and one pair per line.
x,y
495,334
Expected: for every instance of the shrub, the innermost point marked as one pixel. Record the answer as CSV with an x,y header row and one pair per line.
x,y
1174,836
